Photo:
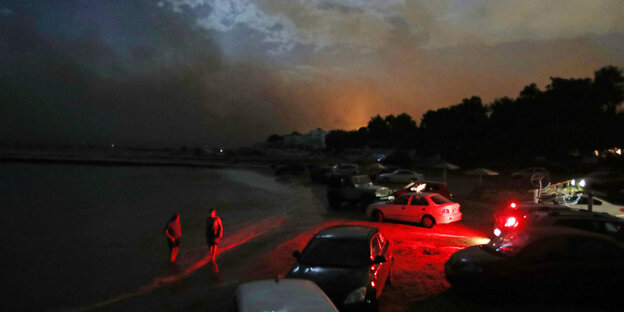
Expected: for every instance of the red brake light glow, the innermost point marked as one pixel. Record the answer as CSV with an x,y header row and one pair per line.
x,y
513,205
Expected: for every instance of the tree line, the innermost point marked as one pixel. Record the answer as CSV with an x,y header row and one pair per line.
x,y
568,116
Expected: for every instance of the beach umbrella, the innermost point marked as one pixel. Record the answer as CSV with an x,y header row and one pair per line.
x,y
481,172
445,166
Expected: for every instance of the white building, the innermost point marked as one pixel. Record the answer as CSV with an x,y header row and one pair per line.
x,y
314,139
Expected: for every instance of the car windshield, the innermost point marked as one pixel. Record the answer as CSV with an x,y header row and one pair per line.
x,y
439,199
509,244
362,180
335,252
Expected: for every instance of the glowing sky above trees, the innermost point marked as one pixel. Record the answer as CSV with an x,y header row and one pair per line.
x,y
262,67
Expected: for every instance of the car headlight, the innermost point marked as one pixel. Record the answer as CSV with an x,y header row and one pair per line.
x,y
355,296
382,192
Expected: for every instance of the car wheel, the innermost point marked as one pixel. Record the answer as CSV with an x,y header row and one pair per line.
x,y
378,216
428,221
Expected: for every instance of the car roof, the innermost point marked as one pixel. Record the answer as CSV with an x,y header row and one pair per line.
x,y
549,231
429,181
576,213
421,193
353,231
282,295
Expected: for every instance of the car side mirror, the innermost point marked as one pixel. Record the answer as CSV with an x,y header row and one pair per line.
x,y
296,254
379,259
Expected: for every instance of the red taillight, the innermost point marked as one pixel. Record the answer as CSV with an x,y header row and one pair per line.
x,y
445,211
372,283
511,222
513,205
622,209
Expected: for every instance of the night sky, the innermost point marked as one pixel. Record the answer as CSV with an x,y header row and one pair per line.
x,y
225,72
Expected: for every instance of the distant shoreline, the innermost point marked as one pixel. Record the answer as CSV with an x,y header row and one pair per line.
x,y
102,161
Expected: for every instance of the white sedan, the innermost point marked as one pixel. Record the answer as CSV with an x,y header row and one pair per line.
x,y
400,176
426,208
280,295
599,205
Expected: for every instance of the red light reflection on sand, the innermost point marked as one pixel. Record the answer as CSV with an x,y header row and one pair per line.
x,y
174,278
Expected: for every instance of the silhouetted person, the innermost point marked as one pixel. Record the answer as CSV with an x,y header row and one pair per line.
x,y
173,230
214,232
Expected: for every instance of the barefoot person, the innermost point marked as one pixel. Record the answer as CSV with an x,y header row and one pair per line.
x,y
173,230
214,232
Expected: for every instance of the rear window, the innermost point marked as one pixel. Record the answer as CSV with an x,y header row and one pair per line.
x,y
439,199
335,252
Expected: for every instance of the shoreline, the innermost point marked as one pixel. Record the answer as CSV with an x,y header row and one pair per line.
x,y
114,161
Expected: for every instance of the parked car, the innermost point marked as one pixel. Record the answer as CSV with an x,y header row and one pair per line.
x,y
320,174
350,263
426,208
400,176
551,261
375,175
599,205
517,217
429,187
603,181
354,189
346,169
280,295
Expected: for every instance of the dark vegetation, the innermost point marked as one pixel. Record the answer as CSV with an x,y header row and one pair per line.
x,y
570,117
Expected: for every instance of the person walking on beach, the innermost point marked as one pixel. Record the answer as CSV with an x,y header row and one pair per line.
x,y
214,232
173,231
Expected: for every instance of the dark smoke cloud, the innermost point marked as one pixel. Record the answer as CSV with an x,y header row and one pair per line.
x,y
169,89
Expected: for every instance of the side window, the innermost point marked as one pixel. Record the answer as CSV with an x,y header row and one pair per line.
x,y
401,200
582,224
597,202
591,249
419,201
375,246
548,250
583,201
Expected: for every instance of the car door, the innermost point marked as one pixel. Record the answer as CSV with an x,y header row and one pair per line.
x,y
418,207
394,208
543,265
381,271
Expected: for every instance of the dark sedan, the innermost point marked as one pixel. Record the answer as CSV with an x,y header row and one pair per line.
x,y
552,261
351,264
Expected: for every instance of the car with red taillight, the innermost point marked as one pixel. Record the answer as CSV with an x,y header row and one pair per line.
x,y
541,261
518,216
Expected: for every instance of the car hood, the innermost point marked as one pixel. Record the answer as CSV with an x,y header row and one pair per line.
x,y
378,190
337,283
